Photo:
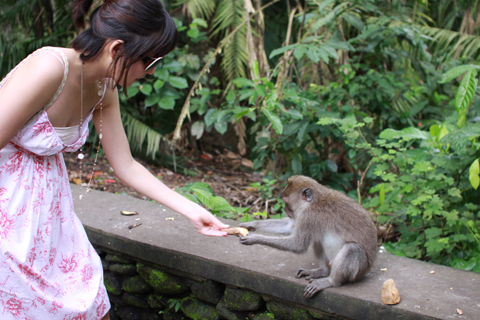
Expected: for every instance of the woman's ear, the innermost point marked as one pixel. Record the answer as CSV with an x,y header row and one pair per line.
x,y
113,48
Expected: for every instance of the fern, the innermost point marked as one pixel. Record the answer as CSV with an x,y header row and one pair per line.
x,y
138,133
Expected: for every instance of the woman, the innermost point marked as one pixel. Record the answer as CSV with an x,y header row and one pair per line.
x,y
48,268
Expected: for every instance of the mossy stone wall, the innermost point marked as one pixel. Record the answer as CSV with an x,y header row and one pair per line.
x,y
142,291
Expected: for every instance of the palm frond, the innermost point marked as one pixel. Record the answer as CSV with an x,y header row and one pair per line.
x,y
453,44
448,43
412,11
139,133
198,8
447,13
230,14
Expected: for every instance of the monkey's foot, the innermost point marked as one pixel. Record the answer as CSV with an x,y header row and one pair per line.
x,y
313,273
316,286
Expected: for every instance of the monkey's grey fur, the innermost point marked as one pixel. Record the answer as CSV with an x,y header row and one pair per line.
x,y
342,231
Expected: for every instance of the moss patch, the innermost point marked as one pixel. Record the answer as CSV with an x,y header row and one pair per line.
x,y
161,281
283,310
198,310
242,299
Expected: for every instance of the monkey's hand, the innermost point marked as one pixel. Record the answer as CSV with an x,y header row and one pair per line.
x,y
250,239
250,226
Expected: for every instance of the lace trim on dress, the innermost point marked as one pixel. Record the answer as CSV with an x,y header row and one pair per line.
x,y
68,135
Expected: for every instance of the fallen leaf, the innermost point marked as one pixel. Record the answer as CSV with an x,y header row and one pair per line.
x,y
206,156
247,163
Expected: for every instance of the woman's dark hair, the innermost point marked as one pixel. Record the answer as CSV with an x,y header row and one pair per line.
x,y
145,27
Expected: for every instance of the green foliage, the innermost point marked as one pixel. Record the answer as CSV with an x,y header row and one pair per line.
x,y
267,189
176,304
202,193
422,191
28,25
463,101
346,100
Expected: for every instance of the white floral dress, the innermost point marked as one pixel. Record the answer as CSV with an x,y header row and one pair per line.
x,y
48,268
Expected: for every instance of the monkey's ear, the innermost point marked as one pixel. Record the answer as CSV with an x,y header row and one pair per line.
x,y
307,194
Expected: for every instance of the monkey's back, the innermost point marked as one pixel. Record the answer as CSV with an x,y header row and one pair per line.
x,y
343,216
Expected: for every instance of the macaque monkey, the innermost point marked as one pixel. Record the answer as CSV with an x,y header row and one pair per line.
x,y
342,232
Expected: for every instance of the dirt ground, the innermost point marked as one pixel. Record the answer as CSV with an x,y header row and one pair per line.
x,y
224,173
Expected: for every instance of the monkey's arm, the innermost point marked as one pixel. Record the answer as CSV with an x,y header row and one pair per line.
x,y
283,226
294,243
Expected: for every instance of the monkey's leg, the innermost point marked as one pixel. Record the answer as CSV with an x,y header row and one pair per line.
x,y
322,271
349,265
311,274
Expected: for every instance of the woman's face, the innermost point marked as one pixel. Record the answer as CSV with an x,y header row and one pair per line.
x,y
136,72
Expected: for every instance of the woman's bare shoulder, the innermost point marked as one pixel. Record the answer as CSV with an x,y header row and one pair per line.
x,y
42,65
32,84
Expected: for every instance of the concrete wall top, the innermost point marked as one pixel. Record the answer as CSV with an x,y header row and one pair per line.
x,y
175,244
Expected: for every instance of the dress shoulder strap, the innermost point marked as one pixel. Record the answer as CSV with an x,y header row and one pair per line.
x,y
60,55
64,61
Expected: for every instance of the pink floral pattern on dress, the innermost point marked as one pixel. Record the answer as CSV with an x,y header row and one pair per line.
x,y
48,268
6,225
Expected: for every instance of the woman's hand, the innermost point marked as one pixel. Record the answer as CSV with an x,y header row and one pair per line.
x,y
207,224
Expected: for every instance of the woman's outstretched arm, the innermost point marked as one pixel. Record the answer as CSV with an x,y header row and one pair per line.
x,y
135,175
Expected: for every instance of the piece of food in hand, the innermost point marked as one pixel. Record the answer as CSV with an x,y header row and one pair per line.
x,y
238,231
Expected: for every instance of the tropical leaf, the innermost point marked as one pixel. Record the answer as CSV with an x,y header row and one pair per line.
x,y
462,138
409,133
275,120
281,50
466,91
456,72
297,164
474,174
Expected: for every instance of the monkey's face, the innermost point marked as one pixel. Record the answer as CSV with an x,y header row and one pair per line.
x,y
296,195
290,197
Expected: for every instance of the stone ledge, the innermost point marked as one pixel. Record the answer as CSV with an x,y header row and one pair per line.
x,y
175,245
